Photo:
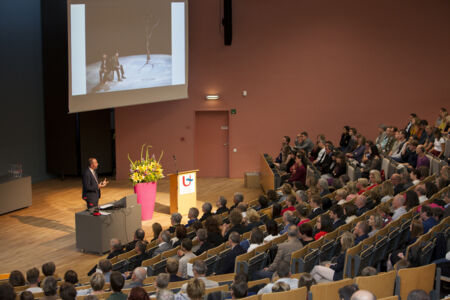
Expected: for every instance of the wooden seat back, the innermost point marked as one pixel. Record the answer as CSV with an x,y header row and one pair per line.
x,y
416,278
296,294
381,285
329,290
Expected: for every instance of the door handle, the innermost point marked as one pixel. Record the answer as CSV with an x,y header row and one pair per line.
x,y
226,144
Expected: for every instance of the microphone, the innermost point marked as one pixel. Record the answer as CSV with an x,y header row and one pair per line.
x,y
175,162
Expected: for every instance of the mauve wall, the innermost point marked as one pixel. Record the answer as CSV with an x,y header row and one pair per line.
x,y
307,65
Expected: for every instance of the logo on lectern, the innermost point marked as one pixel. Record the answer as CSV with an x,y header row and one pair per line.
x,y
186,183
189,180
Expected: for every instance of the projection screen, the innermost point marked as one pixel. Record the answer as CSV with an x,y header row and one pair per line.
x,y
126,52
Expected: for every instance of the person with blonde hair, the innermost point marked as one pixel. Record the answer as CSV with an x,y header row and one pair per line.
x,y
341,196
253,219
97,282
334,272
195,289
352,191
361,185
387,191
375,223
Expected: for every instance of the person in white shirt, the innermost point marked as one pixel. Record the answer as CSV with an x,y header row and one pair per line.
x,y
398,205
284,274
421,193
33,281
199,269
415,175
272,230
256,239
439,144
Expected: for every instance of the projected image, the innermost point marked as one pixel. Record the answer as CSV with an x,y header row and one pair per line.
x,y
127,47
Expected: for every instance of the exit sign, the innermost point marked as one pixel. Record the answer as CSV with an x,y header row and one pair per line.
x,y
233,111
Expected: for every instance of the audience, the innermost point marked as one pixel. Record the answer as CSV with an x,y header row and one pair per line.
x,y
221,205
363,295
205,245
272,231
7,291
334,272
192,216
324,224
206,209
337,216
256,239
235,224
398,207
139,235
375,223
237,199
172,266
418,295
68,292
426,215
306,280
361,205
162,281
106,267
71,277
33,281
49,285
16,278
361,231
346,292
26,295
284,274
175,219
137,278
227,265
350,212
369,271
185,254
117,282
239,289
138,293
199,269
305,234
302,213
48,269
157,229
316,207
164,243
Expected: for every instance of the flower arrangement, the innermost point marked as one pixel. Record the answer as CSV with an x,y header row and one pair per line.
x,y
146,169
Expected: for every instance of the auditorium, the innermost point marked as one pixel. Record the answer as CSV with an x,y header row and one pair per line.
x,y
225,149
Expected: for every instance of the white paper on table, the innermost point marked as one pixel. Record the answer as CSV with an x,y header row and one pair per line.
x,y
190,273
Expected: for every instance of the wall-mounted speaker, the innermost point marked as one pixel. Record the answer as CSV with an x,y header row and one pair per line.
x,y
227,22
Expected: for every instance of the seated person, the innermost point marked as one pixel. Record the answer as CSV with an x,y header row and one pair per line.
x,y
157,229
272,231
337,216
284,274
305,234
398,206
185,254
375,223
256,239
180,234
334,272
97,285
214,232
323,226
137,278
206,208
361,231
253,219
175,219
426,215
205,245
192,216
117,283
16,278
361,205
164,243
227,264
350,212
290,204
33,281
172,269
221,205
235,225
316,207
136,261
302,213
139,235
199,269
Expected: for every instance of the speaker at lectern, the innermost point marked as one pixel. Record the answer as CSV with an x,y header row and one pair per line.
x,y
183,191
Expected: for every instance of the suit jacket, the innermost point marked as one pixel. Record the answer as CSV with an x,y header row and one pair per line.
x,y
203,247
221,210
164,247
205,216
284,252
227,264
238,228
136,261
91,192
215,238
315,213
114,254
175,277
338,223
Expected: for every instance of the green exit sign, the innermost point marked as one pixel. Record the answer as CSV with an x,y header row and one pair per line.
x,y
233,111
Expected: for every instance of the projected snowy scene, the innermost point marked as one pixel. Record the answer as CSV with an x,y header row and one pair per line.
x,y
137,72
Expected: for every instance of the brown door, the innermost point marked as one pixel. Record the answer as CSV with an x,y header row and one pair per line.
x,y
211,143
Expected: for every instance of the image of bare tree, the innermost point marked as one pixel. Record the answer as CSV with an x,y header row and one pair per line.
x,y
150,26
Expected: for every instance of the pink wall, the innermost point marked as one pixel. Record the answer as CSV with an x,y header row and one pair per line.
x,y
307,65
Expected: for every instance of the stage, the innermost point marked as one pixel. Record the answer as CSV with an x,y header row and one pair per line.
x,y
45,231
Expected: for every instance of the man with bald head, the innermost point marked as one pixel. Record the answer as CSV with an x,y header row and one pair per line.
x,y
396,180
363,295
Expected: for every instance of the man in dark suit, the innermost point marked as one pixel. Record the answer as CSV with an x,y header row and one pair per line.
x,y
337,215
227,263
206,208
172,268
316,207
202,236
91,186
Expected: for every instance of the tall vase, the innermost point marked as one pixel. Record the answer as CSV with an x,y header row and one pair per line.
x,y
146,196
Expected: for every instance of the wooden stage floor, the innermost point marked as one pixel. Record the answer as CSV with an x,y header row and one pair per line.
x,y
45,231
